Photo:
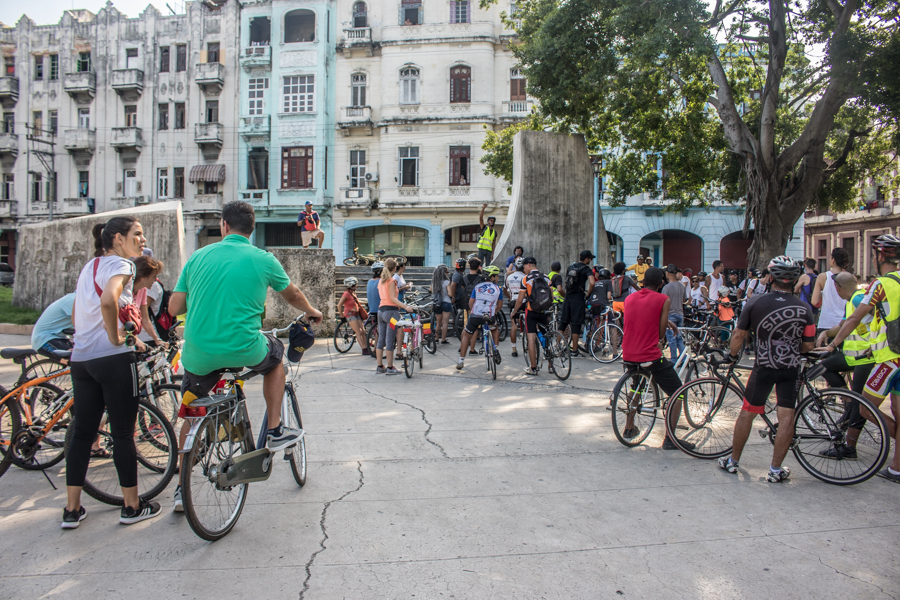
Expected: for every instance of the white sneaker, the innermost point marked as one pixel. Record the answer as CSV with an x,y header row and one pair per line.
x,y
178,506
288,437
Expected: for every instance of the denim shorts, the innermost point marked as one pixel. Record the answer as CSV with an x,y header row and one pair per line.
x,y
443,307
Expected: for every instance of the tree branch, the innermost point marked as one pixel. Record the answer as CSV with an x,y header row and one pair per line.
x,y
836,8
848,147
777,57
809,89
718,18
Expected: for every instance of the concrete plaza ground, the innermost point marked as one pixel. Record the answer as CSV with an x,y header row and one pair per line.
x,y
450,485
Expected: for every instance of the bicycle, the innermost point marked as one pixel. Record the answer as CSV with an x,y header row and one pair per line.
x,y
410,347
712,405
366,260
489,348
553,346
605,337
345,337
221,459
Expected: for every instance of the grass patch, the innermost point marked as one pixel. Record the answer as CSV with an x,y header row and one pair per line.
x,y
14,314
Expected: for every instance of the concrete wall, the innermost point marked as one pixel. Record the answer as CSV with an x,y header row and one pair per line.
x,y
51,255
551,213
312,271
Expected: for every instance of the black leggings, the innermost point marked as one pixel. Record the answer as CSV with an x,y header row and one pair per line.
x,y
835,365
109,383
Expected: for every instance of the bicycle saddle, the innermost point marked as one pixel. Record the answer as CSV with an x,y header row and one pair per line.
x,y
14,353
380,252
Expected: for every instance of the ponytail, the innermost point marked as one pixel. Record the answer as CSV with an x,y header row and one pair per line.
x,y
104,234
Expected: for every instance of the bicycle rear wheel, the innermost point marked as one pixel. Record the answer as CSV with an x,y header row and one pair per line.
x,y
10,425
635,404
372,336
707,417
606,343
503,324
296,455
560,356
46,366
43,401
872,448
430,340
344,337
350,262
212,509
409,364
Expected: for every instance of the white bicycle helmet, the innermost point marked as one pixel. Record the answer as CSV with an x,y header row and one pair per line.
x,y
378,265
349,282
519,262
784,269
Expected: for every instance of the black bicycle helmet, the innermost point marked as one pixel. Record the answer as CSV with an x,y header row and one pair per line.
x,y
888,244
460,263
604,274
785,269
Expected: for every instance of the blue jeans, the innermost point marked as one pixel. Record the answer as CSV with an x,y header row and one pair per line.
x,y
676,342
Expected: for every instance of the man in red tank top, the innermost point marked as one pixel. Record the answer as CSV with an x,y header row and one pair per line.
x,y
645,338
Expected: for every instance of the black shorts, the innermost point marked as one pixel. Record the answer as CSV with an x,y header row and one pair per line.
x,y
762,379
573,313
533,318
200,385
476,321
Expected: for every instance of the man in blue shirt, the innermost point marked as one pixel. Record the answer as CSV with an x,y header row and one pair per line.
x,y
309,221
50,333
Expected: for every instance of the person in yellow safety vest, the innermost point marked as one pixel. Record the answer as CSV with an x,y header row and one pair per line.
x,y
856,356
487,239
556,282
639,269
883,299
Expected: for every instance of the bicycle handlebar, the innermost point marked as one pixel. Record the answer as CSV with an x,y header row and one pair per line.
x,y
299,319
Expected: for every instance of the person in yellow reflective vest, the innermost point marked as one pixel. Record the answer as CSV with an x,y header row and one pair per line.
x,y
487,239
882,299
640,267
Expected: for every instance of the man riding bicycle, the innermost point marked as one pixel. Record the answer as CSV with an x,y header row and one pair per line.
x,y
486,300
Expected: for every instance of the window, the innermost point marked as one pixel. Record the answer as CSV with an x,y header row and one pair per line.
x,y
258,169
849,244
360,15
178,173
37,183
54,67
460,84
130,187
411,12
83,64
212,52
212,111
163,117
299,26
260,31
9,66
210,187
823,255
357,168
358,90
179,115
9,122
38,68
162,183
54,121
459,11
164,59
469,234
180,58
131,58
8,192
131,116
84,118
297,167
257,86
37,122
409,166
409,86
516,85
459,165
298,93
84,184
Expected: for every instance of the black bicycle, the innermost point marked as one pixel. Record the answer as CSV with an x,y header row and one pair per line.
x,y
552,345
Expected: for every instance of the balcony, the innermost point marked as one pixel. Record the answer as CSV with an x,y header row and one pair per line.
x,y
210,77
9,144
356,116
126,138
75,207
81,86
357,38
256,57
79,140
40,209
9,209
203,203
255,198
516,109
128,82
254,126
126,202
9,91
209,134
357,194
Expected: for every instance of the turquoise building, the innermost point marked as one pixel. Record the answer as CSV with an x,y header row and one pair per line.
x,y
287,122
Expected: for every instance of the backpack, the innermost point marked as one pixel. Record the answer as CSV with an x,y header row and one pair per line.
x,y
163,321
541,297
617,283
572,274
597,299
471,281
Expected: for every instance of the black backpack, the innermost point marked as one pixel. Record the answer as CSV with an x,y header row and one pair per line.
x,y
162,320
597,299
471,281
541,297
572,275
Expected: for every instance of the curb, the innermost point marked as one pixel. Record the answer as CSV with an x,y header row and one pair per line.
x,y
12,329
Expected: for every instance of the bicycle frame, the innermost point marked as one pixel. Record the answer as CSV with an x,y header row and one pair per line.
x,y
59,412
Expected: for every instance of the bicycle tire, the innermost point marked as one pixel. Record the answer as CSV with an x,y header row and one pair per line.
x,y
350,262
409,365
10,424
489,356
167,398
101,476
715,417
503,325
344,337
205,453
873,447
560,356
296,455
606,343
46,366
55,441
421,356
622,406
372,337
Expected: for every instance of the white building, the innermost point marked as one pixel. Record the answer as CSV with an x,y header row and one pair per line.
x,y
416,85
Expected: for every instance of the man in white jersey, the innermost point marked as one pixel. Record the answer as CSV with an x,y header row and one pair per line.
x,y
716,279
513,285
825,294
486,300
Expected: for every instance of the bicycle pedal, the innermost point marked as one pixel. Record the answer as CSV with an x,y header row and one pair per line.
x,y
764,433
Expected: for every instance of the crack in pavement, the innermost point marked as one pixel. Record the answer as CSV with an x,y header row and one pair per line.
x,y
312,558
421,412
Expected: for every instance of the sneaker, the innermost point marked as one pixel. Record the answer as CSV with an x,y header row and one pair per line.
x,y
379,370
670,445
530,371
146,510
288,437
839,452
473,352
630,433
72,519
728,464
444,342
576,354
888,475
460,365
366,352
514,352
178,506
497,356
391,371
778,477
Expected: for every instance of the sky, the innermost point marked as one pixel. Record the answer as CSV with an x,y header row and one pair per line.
x,y
48,12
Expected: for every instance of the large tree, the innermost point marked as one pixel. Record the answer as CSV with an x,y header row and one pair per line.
x,y
779,105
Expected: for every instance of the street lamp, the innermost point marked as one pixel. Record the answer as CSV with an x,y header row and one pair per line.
x,y
596,165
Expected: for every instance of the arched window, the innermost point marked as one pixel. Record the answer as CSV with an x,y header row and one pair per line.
x,y
409,86
299,26
516,85
460,84
358,89
360,15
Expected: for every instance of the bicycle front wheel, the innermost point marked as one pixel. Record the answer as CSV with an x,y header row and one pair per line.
x,y
813,443
559,356
350,262
296,455
700,417
343,337
635,404
606,343
503,324
409,364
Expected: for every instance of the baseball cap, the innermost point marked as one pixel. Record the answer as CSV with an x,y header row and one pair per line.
x,y
586,254
308,203
530,260
300,339
671,268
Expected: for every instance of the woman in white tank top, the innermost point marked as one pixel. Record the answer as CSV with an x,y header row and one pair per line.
x,y
832,311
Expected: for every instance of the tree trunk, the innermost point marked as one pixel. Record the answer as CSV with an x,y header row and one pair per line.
x,y
771,213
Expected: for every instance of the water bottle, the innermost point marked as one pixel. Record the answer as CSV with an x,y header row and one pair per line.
x,y
542,339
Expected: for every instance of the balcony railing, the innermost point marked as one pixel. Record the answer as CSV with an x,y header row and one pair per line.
x,y
9,91
517,107
128,80
203,203
357,193
82,84
126,137
210,76
356,116
42,208
254,57
126,202
9,209
209,134
357,37
79,140
254,126
256,198
9,144
72,207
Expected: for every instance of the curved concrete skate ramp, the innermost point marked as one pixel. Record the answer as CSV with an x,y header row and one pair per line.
x,y
551,214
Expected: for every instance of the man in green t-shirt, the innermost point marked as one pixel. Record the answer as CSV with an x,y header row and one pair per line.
x,y
223,289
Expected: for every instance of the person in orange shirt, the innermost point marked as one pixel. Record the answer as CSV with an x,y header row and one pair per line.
x,y
724,312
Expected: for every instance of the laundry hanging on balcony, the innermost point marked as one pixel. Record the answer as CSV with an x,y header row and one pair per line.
x,y
214,173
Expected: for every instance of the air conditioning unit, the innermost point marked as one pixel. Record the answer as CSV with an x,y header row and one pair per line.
x,y
371,176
